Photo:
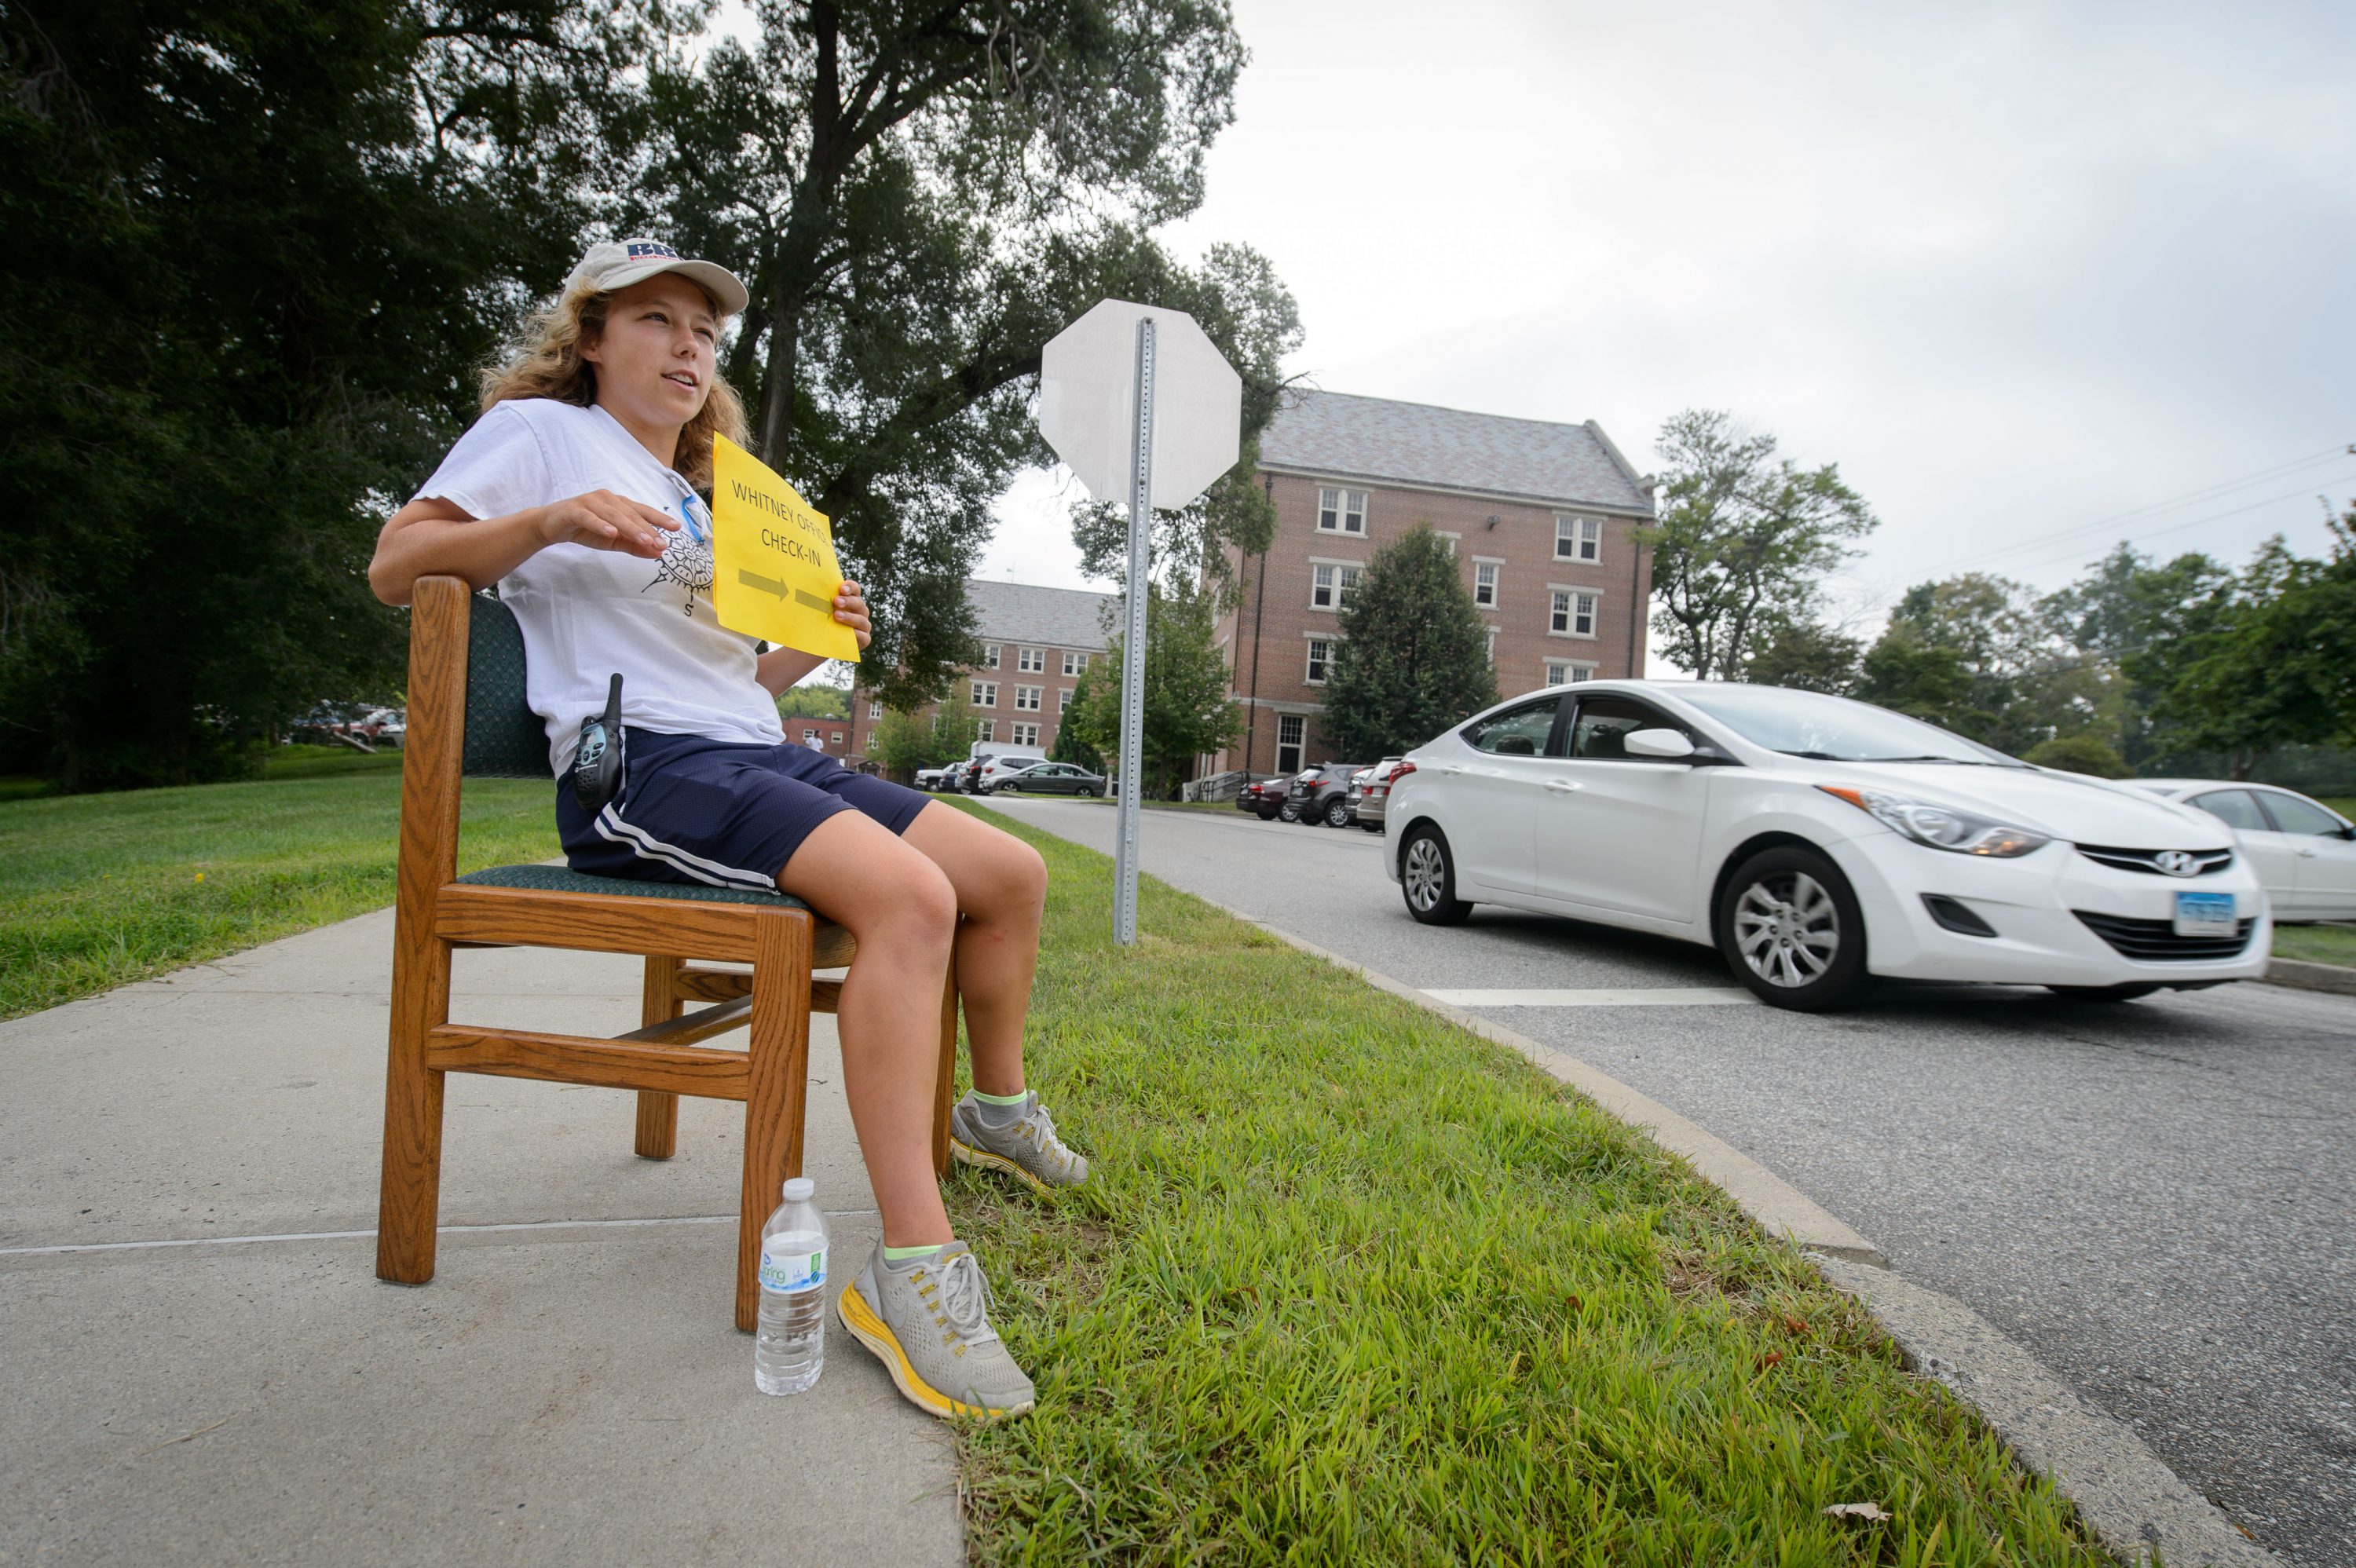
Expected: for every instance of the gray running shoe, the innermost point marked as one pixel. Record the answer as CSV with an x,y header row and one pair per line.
x,y
1026,1146
930,1326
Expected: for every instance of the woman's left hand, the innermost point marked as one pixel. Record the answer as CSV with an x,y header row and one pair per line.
x,y
851,609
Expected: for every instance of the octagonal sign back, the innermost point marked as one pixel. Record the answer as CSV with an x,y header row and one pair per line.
x,y
1088,389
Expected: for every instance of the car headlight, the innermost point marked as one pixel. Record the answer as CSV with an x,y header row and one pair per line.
x,y
1940,827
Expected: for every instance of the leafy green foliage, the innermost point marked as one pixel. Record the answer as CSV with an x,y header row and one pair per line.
x,y
902,742
1984,657
2079,755
815,700
1806,654
1187,709
259,248
1741,541
1070,745
1413,658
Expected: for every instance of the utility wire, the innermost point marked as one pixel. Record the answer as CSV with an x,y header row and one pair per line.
x,y
2079,552
2189,498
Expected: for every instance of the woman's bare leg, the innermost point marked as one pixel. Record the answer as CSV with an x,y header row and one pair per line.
x,y
1001,883
903,911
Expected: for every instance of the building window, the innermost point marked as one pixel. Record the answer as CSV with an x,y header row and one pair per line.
x,y
1063,699
990,655
1330,585
988,731
1075,663
1574,614
1340,511
1291,728
1484,583
1578,538
874,710
985,694
1320,655
1568,672
1025,735
1449,542
1492,647
1031,661
1026,698
835,736
810,737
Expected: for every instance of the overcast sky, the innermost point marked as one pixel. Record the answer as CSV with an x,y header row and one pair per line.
x,y
2019,269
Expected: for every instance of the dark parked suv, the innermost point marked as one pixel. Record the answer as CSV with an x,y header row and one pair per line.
x,y
1322,794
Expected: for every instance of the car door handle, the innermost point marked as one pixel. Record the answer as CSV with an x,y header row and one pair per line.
x,y
1449,768
2307,853
1561,787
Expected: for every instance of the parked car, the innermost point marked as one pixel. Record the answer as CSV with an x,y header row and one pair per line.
x,y
1264,797
932,781
2303,851
1370,794
1817,842
383,726
1042,778
1322,794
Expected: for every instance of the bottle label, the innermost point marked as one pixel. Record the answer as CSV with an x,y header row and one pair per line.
x,y
792,1272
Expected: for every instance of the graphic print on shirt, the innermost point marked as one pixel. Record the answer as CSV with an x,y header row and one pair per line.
x,y
687,558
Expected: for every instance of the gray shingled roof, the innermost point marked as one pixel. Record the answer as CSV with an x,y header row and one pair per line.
x,y
1042,617
1350,437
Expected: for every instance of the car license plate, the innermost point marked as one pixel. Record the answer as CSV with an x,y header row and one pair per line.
x,y
2204,914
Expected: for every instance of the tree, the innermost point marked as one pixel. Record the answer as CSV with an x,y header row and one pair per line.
x,y
901,742
1187,709
1806,654
2079,755
1742,540
1071,746
1982,655
919,198
273,238
815,700
2142,618
1413,658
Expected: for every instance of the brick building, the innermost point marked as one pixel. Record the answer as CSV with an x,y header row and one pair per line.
x,y
1036,643
1540,516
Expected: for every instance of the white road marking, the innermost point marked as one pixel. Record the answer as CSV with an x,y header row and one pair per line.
x,y
1661,997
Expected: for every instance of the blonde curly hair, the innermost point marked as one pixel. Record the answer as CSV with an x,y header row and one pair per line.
x,y
546,362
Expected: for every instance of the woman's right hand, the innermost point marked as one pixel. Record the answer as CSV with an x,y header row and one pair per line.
x,y
603,520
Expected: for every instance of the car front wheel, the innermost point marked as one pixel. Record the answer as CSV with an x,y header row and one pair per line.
x,y
1791,930
1428,879
1289,812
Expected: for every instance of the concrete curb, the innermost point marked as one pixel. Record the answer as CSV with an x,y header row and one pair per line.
x,y
2300,975
2134,1504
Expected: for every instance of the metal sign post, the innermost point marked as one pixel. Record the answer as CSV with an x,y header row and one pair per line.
x,y
1143,407
1132,647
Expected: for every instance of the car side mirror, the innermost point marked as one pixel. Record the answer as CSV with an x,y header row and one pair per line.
x,y
1667,745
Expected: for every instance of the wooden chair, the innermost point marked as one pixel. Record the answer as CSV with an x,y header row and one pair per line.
x,y
467,718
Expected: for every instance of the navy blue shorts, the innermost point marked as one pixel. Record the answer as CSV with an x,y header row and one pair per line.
x,y
720,813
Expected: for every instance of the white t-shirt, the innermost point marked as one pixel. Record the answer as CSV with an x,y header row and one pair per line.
x,y
588,612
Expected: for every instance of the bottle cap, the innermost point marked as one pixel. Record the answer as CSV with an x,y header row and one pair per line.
x,y
799,1189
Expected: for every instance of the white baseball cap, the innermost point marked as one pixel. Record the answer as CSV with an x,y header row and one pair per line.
x,y
620,264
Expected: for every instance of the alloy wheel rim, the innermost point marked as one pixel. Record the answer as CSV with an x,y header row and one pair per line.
x,y
1787,929
1423,874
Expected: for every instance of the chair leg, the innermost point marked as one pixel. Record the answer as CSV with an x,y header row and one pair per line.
x,y
409,1199
945,1087
657,1135
778,1097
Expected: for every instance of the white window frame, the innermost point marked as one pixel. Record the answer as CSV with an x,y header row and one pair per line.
x,y
1338,509
1346,576
1496,566
1453,539
1022,735
1075,664
808,736
984,694
1063,699
834,737
1568,672
987,731
874,712
1317,668
1031,661
1026,698
1492,647
1564,606
1583,536
990,655
1299,724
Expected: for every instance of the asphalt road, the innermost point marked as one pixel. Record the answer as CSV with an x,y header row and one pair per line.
x,y
2154,1196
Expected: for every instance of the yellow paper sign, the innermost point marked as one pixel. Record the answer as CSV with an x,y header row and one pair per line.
x,y
774,572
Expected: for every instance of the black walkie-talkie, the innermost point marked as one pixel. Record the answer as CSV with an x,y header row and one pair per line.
x,y
597,763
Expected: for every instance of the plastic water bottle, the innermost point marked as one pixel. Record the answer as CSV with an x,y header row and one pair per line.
x,y
790,1348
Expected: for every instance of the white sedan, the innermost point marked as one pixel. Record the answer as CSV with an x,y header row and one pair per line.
x,y
1817,842
2303,851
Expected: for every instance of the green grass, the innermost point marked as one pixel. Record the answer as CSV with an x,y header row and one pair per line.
x,y
104,889
2316,944
1349,1285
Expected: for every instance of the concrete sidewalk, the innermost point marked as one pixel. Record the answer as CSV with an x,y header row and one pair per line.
x,y
571,1388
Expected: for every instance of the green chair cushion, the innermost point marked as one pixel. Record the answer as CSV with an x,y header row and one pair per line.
x,y
504,739
562,880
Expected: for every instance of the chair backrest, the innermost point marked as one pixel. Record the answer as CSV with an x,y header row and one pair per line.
x,y
504,739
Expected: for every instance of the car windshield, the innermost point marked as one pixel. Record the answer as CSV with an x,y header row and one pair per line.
x,y
1833,728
